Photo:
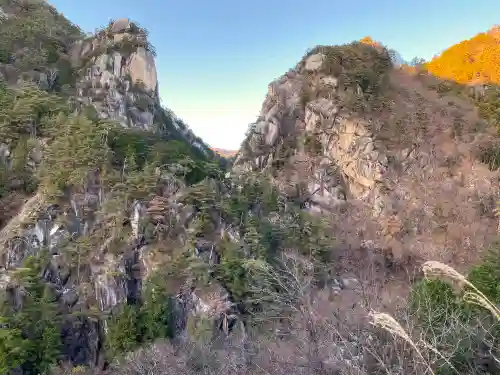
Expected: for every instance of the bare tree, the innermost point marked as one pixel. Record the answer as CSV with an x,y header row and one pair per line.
x,y
292,307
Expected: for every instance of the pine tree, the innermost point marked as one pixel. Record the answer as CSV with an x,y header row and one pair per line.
x,y
155,311
32,333
123,335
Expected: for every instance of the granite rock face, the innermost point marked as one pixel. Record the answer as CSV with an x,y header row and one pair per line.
x,y
118,79
121,83
383,160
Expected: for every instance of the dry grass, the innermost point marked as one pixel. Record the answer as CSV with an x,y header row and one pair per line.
x,y
435,185
313,341
470,294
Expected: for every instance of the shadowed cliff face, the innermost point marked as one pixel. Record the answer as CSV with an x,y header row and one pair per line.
x,y
360,140
116,81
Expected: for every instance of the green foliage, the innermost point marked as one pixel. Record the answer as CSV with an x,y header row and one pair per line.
x,y
200,329
231,271
138,37
28,111
37,37
486,276
156,149
137,324
155,313
265,223
122,334
434,302
79,147
491,156
12,348
489,105
32,332
443,316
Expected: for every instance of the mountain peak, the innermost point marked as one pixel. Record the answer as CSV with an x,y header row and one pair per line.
x,y
347,127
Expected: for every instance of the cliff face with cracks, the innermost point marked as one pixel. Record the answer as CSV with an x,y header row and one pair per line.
x,y
394,163
120,81
117,81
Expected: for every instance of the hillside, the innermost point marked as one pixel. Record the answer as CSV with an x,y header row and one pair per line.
x,y
128,246
402,163
476,60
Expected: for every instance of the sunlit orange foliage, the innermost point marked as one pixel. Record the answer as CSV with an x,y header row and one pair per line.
x,y
474,60
368,40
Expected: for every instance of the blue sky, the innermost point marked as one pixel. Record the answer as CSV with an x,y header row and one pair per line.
x,y
216,58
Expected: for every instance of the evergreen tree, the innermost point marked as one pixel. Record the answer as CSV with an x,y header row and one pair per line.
x,y
31,324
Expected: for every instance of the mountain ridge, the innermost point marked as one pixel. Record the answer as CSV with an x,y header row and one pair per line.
x,y
225,152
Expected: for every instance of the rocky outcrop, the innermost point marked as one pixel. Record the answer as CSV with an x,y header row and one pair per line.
x,y
120,82
379,151
103,278
119,75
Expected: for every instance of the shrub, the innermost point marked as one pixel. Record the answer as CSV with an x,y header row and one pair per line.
x,y
357,65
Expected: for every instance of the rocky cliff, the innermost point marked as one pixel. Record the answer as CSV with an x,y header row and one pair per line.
x,y
120,82
397,165
111,97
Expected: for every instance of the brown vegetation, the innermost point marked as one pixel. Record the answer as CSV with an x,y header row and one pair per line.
x,y
225,153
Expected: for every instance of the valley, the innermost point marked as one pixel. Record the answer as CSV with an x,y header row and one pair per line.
x,y
354,231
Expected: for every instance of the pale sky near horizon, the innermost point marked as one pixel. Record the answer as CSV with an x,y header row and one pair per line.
x,y
216,58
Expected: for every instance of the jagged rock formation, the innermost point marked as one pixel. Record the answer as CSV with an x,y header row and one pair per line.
x,y
118,82
113,78
390,160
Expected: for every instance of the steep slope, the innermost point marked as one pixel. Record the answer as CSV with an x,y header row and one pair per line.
x,y
104,75
35,42
392,162
88,164
471,69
